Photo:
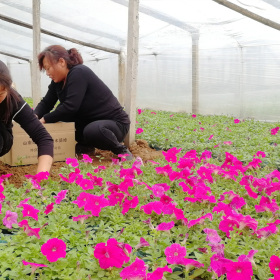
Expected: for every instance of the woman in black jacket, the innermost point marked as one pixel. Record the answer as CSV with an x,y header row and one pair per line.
x,y
100,120
13,107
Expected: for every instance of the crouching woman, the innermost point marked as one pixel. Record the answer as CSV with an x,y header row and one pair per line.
x,y
14,108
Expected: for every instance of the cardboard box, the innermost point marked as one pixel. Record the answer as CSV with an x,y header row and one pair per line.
x,y
24,151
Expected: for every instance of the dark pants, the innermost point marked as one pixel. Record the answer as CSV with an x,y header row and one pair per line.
x,y
105,135
6,140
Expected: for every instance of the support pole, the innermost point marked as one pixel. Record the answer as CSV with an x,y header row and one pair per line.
x,y
122,79
195,74
35,72
131,69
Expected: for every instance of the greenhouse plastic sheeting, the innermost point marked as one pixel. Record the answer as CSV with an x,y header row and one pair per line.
x,y
238,61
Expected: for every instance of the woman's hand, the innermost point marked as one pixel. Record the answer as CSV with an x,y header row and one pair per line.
x,y
42,120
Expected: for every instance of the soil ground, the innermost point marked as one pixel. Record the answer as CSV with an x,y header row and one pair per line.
x,y
139,148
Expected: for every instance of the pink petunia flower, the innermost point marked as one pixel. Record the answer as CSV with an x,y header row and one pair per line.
x,y
200,220
239,270
170,155
10,219
210,137
274,266
34,266
86,159
139,111
212,235
23,202
30,211
72,161
274,131
142,243
82,199
112,254
158,273
129,203
85,184
139,130
194,116
49,208
175,254
248,258
137,270
60,196
28,230
267,204
236,121
165,226
155,206
95,203
54,249
81,218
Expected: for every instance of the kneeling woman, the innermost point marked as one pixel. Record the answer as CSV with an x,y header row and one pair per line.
x,y
13,107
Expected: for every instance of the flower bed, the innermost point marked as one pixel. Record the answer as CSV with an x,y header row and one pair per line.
x,y
196,214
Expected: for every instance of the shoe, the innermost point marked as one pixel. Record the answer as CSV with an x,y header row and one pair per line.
x,y
82,149
126,154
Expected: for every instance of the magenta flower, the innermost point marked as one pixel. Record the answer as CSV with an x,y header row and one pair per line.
x,y
265,232
226,225
86,159
171,154
190,262
248,258
236,121
10,219
82,199
34,266
158,273
30,211
85,184
210,137
112,254
267,205
274,266
142,243
28,230
165,226
139,130
95,203
274,131
54,249
23,202
137,270
72,161
115,198
200,220
97,181
218,264
49,208
175,254
80,218
194,116
155,206
158,190
212,235
165,170
239,270
139,111
60,196
129,203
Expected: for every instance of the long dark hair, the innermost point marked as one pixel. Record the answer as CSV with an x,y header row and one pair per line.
x,y
11,100
55,52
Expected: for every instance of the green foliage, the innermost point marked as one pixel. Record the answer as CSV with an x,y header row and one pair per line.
x,y
161,131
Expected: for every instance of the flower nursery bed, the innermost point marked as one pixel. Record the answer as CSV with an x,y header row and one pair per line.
x,y
205,207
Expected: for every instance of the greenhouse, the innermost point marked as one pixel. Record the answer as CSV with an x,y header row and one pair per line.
x,y
200,199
